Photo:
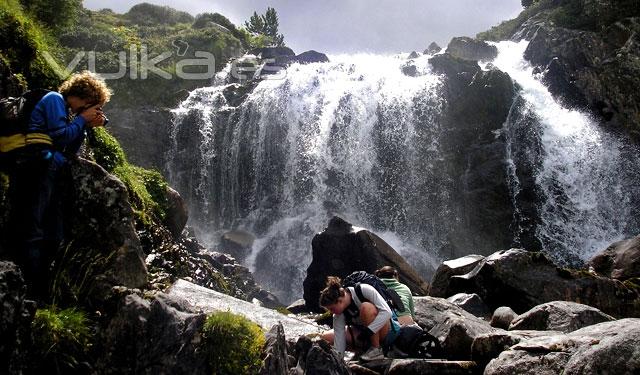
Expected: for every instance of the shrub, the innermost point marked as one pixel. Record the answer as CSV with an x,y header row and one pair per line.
x,y
55,14
233,344
150,14
62,340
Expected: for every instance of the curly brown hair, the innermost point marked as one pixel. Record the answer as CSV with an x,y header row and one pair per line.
x,y
86,85
332,291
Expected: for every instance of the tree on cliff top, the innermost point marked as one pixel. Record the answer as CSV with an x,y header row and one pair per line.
x,y
266,25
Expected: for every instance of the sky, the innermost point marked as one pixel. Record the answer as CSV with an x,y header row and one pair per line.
x,y
352,26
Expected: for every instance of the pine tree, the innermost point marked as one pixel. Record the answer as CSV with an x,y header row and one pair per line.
x,y
266,25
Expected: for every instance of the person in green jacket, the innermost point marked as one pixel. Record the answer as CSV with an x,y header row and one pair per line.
x,y
389,277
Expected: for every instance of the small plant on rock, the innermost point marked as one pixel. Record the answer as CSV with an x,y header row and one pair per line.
x,y
233,344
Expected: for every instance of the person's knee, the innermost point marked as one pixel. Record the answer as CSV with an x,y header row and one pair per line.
x,y
368,311
328,336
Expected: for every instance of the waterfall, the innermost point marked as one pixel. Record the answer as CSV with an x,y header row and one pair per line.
x,y
586,180
358,138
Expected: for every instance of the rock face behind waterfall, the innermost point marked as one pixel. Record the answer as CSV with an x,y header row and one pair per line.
x,y
477,105
341,249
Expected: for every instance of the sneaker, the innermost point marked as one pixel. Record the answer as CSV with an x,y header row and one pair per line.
x,y
372,354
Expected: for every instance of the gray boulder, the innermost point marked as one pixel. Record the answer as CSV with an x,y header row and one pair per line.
x,y
311,56
620,260
318,357
153,337
238,243
471,303
431,366
604,348
433,48
502,317
521,280
449,268
560,316
489,346
413,55
471,49
454,328
177,212
341,249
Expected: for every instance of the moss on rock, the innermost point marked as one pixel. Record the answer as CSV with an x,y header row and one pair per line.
x,y
233,344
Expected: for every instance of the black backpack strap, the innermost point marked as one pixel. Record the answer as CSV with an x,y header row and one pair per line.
x,y
358,289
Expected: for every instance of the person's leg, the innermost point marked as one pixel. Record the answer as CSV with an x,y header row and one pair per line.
x,y
350,333
368,313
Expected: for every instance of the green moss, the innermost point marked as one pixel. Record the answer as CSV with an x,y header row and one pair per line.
x,y
62,339
24,43
283,310
232,343
147,188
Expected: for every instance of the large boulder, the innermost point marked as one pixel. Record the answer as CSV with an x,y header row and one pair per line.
x,y
152,335
521,280
431,366
237,243
342,249
620,260
594,70
460,266
454,328
471,303
489,346
502,317
311,56
471,49
318,357
177,212
101,222
432,49
16,315
560,316
605,348
476,104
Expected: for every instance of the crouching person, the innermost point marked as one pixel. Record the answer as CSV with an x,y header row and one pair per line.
x,y
363,325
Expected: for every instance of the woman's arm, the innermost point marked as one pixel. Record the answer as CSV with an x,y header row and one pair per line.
x,y
339,341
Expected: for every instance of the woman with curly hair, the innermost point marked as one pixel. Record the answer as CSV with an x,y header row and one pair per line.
x,y
60,120
359,324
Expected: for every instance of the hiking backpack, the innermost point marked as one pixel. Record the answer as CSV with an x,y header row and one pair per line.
x,y
413,342
361,277
15,113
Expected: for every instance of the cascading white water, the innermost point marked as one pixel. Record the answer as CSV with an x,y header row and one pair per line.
x,y
358,138
302,148
588,177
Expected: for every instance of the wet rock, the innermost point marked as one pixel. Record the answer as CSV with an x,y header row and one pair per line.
x,y
10,85
271,52
310,57
276,361
454,67
620,260
559,316
488,346
297,307
521,279
177,213
431,366
433,48
449,268
609,347
595,70
502,317
409,69
413,55
471,49
454,328
206,300
318,357
471,303
16,315
341,249
238,243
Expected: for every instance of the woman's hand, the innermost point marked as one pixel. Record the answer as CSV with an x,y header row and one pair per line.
x,y
92,114
98,121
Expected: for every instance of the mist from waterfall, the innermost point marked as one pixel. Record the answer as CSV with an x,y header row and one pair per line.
x,y
358,138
